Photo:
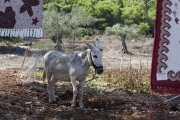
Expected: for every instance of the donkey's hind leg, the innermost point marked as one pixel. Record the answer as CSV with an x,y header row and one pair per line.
x,y
53,82
49,87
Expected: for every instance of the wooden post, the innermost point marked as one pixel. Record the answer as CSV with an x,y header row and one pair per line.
x,y
121,62
140,70
25,54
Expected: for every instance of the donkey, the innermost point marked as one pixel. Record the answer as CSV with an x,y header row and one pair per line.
x,y
72,67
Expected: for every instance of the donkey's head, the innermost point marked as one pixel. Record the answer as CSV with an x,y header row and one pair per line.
x,y
95,56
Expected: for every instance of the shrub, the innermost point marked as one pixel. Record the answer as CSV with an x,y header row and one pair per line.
x,y
10,41
128,78
82,32
43,44
86,37
143,28
119,30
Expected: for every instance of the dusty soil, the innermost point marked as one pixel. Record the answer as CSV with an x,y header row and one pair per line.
x,y
30,101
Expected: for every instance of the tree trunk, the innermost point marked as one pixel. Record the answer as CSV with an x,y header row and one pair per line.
x,y
124,49
58,42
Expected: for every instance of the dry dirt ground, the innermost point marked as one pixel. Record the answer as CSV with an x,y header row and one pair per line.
x,y
30,101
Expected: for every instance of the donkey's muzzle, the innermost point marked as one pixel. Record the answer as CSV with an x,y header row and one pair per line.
x,y
99,70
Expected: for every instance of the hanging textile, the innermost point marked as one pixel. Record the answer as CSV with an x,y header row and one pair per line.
x,y
21,18
165,73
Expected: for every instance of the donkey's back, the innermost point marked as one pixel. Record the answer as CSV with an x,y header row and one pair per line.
x,y
57,64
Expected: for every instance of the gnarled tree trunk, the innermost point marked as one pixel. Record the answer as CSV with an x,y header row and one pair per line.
x,y
58,42
124,49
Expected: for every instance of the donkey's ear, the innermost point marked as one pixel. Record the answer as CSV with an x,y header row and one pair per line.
x,y
90,46
97,43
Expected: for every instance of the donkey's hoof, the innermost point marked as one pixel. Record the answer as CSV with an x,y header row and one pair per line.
x,y
73,104
54,102
81,106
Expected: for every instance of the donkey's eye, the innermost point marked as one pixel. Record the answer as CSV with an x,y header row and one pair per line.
x,y
95,56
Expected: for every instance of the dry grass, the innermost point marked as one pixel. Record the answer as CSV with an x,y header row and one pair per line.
x,y
128,78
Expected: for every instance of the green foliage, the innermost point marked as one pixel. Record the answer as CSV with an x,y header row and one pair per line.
x,y
62,5
110,12
55,22
135,12
107,13
43,44
86,37
80,18
119,30
151,14
83,31
143,28
66,24
9,41
38,74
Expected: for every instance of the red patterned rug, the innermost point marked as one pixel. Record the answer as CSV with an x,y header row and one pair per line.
x,y
165,73
21,18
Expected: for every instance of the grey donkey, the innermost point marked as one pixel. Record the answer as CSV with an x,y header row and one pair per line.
x,y
62,67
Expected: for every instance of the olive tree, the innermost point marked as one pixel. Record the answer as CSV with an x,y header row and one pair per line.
x,y
58,24
124,32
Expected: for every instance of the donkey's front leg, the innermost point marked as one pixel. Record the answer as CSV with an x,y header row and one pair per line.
x,y
75,91
81,90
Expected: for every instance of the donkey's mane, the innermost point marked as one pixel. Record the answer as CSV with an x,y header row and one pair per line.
x,y
83,54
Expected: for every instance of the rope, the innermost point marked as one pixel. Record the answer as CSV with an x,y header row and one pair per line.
x,y
88,81
94,77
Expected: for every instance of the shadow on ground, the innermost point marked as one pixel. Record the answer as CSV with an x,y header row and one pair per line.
x,y
21,51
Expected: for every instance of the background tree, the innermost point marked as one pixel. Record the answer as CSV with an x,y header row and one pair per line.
x,y
55,27
140,13
151,15
60,24
110,12
106,11
68,18
124,32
